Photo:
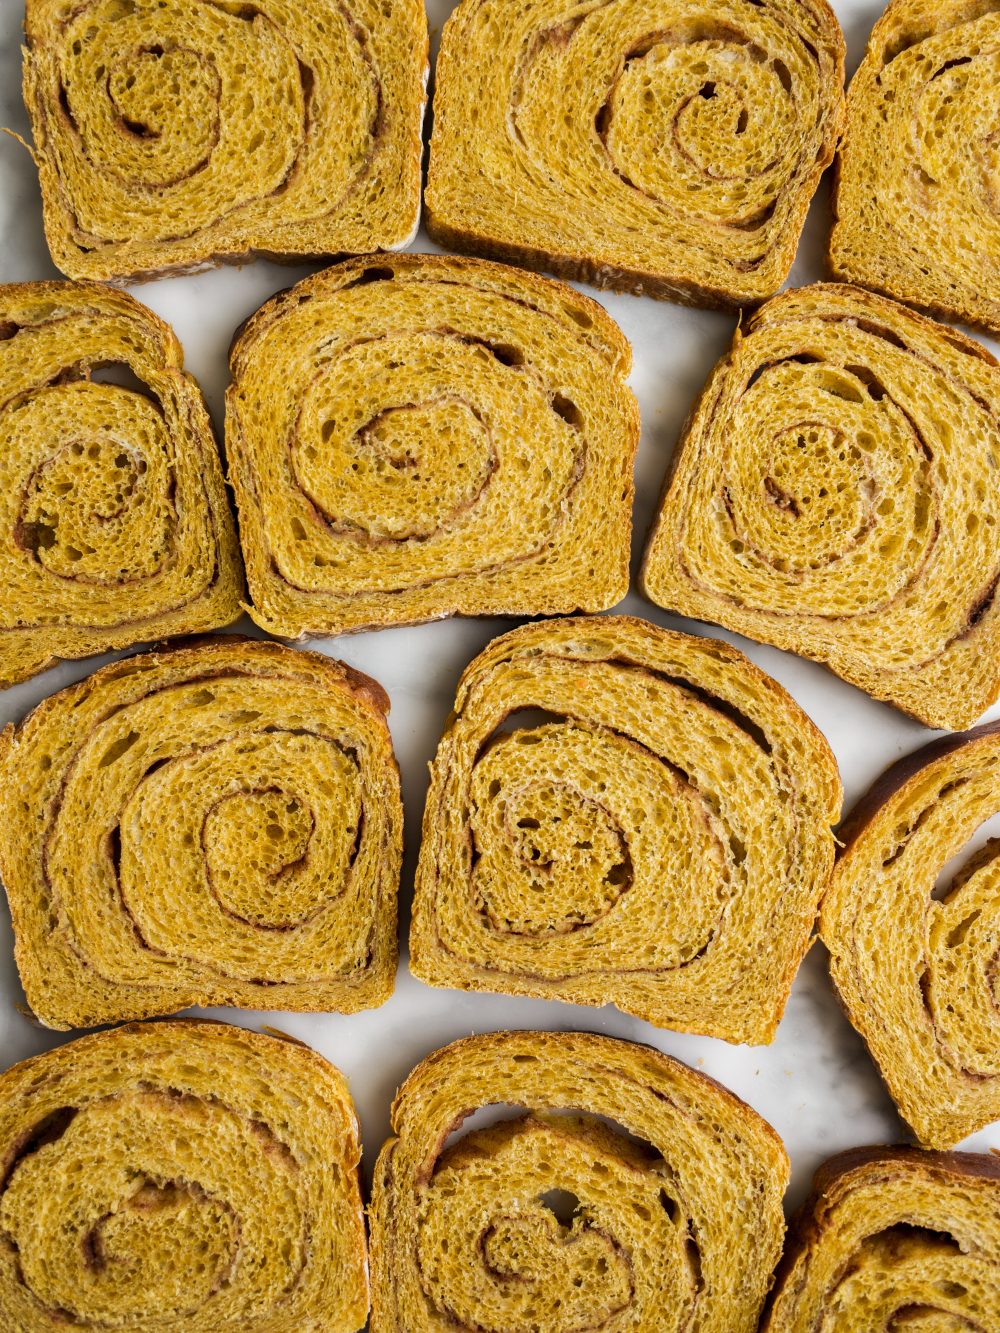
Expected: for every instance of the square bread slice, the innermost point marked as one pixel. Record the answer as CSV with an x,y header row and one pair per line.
x,y
916,200
834,494
625,1192
670,149
171,135
418,436
893,1238
911,922
185,1176
215,822
115,527
622,815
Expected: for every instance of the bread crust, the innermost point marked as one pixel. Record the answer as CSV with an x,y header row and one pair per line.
x,y
627,712
146,499
493,360
302,188
563,1082
900,246
947,681
451,209
305,922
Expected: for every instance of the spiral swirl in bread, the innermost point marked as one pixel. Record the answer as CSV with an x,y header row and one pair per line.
x,y
618,814
173,134
629,1193
215,824
663,146
917,969
419,436
182,1177
834,494
114,525
894,1240
917,204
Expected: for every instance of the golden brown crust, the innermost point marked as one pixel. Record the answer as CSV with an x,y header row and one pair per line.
x,y
920,222
891,1234
115,527
608,809
186,1174
171,137
914,965
675,1183
635,141
418,436
830,496
282,841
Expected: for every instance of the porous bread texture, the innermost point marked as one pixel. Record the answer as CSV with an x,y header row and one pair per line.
x,y
654,146
424,436
675,1188
915,969
918,174
833,494
620,814
171,135
180,1177
208,824
894,1238
114,524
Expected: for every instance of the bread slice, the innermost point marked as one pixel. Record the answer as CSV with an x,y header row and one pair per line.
x,y
629,1192
622,815
185,1176
894,1238
114,525
916,971
210,824
171,135
668,149
833,494
915,204
420,436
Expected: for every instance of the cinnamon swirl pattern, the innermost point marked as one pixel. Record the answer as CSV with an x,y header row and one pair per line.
x,y
618,814
833,494
215,824
628,1192
669,147
173,134
894,1239
915,962
183,1176
917,203
423,436
114,525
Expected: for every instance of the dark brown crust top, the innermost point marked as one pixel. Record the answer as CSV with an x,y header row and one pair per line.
x,y
601,1043
341,675
335,277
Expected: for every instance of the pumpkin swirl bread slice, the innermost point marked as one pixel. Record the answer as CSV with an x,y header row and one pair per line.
x,y
917,972
628,1193
618,814
184,1177
214,824
833,494
894,1239
420,436
114,525
917,201
174,134
668,147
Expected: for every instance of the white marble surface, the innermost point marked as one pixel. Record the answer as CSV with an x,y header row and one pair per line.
x,y
815,1083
